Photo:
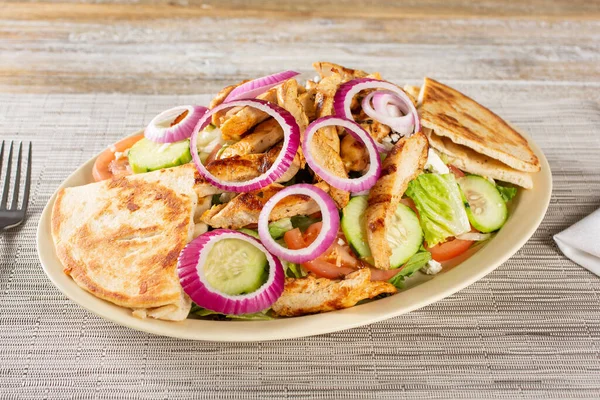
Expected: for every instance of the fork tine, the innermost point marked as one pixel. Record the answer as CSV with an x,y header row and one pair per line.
x,y
6,179
27,180
1,157
15,200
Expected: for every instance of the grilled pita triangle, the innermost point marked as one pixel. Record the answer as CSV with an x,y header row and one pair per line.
x,y
465,122
119,239
469,160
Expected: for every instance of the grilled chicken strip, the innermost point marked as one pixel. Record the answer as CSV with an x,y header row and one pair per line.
x,y
404,162
332,75
313,295
245,208
307,99
325,69
326,90
287,98
235,126
264,135
330,160
326,142
219,117
377,130
413,93
249,166
354,154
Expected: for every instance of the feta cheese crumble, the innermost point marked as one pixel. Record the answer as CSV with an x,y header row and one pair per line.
x,y
435,163
432,267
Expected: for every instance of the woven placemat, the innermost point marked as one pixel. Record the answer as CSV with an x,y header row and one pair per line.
x,y
531,329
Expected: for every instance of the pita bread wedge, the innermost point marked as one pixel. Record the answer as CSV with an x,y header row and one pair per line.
x,y
451,114
469,160
119,239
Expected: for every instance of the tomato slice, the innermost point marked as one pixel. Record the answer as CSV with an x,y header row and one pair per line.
x,y
407,201
335,263
326,269
294,240
321,266
448,250
312,232
101,170
457,172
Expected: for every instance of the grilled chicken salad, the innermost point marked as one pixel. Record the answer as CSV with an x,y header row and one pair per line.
x,y
282,199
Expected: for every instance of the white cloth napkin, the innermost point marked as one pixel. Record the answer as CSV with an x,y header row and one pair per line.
x,y
581,242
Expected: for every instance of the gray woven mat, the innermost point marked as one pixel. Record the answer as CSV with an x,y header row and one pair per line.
x,y
531,329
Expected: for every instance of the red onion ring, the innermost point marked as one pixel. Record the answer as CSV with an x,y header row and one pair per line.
x,y
326,237
347,91
402,124
363,183
250,90
193,282
181,130
291,141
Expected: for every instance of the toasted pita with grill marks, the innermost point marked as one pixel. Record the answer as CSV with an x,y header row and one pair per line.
x,y
119,239
470,161
451,114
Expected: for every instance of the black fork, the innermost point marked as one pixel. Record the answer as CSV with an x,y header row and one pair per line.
x,y
12,215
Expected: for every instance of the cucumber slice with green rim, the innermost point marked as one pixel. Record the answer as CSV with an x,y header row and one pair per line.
x,y
404,234
235,267
404,231
486,209
354,225
146,155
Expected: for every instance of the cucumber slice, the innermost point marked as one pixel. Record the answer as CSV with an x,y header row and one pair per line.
x,y
404,234
235,267
146,155
486,209
354,225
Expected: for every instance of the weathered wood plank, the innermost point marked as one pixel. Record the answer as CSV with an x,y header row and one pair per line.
x,y
166,48
381,9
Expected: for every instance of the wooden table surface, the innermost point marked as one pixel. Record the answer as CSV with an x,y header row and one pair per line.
x,y
526,50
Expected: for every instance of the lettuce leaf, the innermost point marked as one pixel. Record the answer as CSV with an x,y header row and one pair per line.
x,y
441,209
506,192
278,228
293,270
415,263
303,221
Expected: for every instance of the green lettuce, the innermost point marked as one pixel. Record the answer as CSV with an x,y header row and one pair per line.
x,y
506,192
278,228
415,263
293,270
441,210
250,232
303,221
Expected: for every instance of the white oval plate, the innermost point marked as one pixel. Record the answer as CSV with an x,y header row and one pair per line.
x,y
527,211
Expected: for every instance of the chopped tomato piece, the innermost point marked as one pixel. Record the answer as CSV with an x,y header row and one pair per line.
x,y
448,250
326,269
457,172
293,239
101,169
383,275
312,232
407,201
335,263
